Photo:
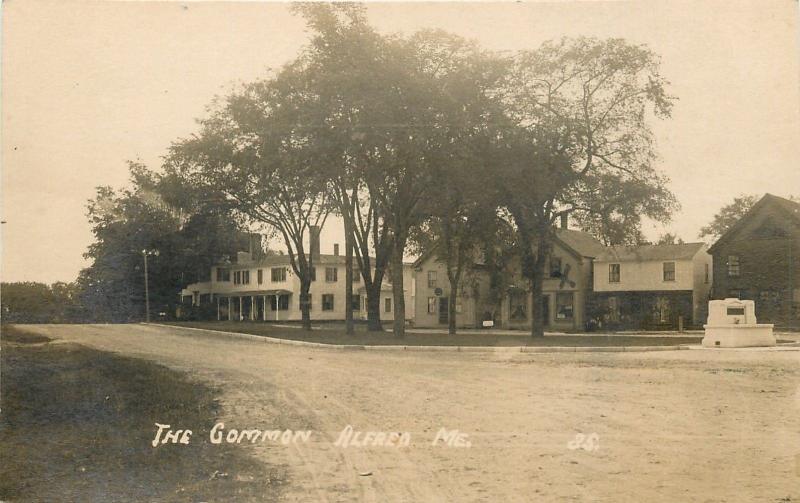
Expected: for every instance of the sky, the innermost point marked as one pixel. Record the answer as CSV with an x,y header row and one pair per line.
x,y
87,86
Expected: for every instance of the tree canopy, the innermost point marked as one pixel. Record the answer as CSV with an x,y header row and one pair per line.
x,y
582,145
425,140
130,222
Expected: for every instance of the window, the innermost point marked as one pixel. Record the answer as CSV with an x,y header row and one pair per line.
x,y
564,306
735,294
431,305
613,273
769,296
260,276
669,271
356,275
310,304
282,301
431,279
518,304
278,274
734,268
245,277
706,274
662,308
327,302
223,274
555,267
387,305
355,303
331,274
313,273
237,278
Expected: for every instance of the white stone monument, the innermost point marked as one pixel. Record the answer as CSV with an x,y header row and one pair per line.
x,y
732,324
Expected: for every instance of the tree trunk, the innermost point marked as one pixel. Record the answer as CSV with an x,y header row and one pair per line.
x,y
451,318
537,285
305,285
398,246
348,277
374,308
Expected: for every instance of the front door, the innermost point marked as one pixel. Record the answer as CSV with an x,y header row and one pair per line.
x,y
444,307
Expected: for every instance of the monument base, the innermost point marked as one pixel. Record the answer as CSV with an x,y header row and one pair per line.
x,y
738,336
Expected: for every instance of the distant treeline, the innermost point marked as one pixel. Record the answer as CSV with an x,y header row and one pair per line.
x,y
31,302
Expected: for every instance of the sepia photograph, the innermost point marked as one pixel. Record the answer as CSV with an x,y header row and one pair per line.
x,y
476,251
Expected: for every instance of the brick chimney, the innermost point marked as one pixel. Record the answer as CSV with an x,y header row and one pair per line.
x,y
313,242
564,220
256,248
336,249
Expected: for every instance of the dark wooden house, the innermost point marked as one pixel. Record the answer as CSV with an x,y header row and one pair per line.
x,y
759,259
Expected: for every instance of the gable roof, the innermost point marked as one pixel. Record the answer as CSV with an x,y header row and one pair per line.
x,y
790,208
579,243
582,243
647,253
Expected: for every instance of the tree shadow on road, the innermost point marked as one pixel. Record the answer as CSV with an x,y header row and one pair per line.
x,y
77,425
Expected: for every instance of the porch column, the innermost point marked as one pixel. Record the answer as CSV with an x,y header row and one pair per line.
x,y
264,312
252,307
230,311
240,309
218,309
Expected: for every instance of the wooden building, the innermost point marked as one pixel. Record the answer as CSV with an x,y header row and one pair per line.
x,y
566,288
759,259
651,287
265,288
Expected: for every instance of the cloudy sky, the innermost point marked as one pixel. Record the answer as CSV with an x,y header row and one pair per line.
x,y
87,86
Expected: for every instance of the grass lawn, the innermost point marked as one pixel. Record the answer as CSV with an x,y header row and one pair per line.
x,y
363,337
77,425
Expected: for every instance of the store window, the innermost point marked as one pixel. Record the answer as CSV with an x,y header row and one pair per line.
x,y
564,305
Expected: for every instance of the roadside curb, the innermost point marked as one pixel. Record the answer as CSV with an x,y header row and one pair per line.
x,y
454,349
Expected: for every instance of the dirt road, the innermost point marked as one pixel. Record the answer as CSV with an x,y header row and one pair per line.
x,y
671,426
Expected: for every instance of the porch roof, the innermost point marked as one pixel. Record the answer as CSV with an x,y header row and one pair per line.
x,y
256,293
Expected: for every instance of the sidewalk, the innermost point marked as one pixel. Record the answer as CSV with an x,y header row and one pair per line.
x,y
493,331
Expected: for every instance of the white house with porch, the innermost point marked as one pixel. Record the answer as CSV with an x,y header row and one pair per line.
x,y
266,289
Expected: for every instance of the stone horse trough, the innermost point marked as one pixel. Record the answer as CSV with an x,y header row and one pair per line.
x,y
732,324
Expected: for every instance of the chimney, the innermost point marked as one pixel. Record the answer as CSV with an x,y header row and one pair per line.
x,y
564,220
336,249
256,248
313,242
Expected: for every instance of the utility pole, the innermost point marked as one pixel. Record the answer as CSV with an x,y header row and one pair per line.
x,y
146,289
145,253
